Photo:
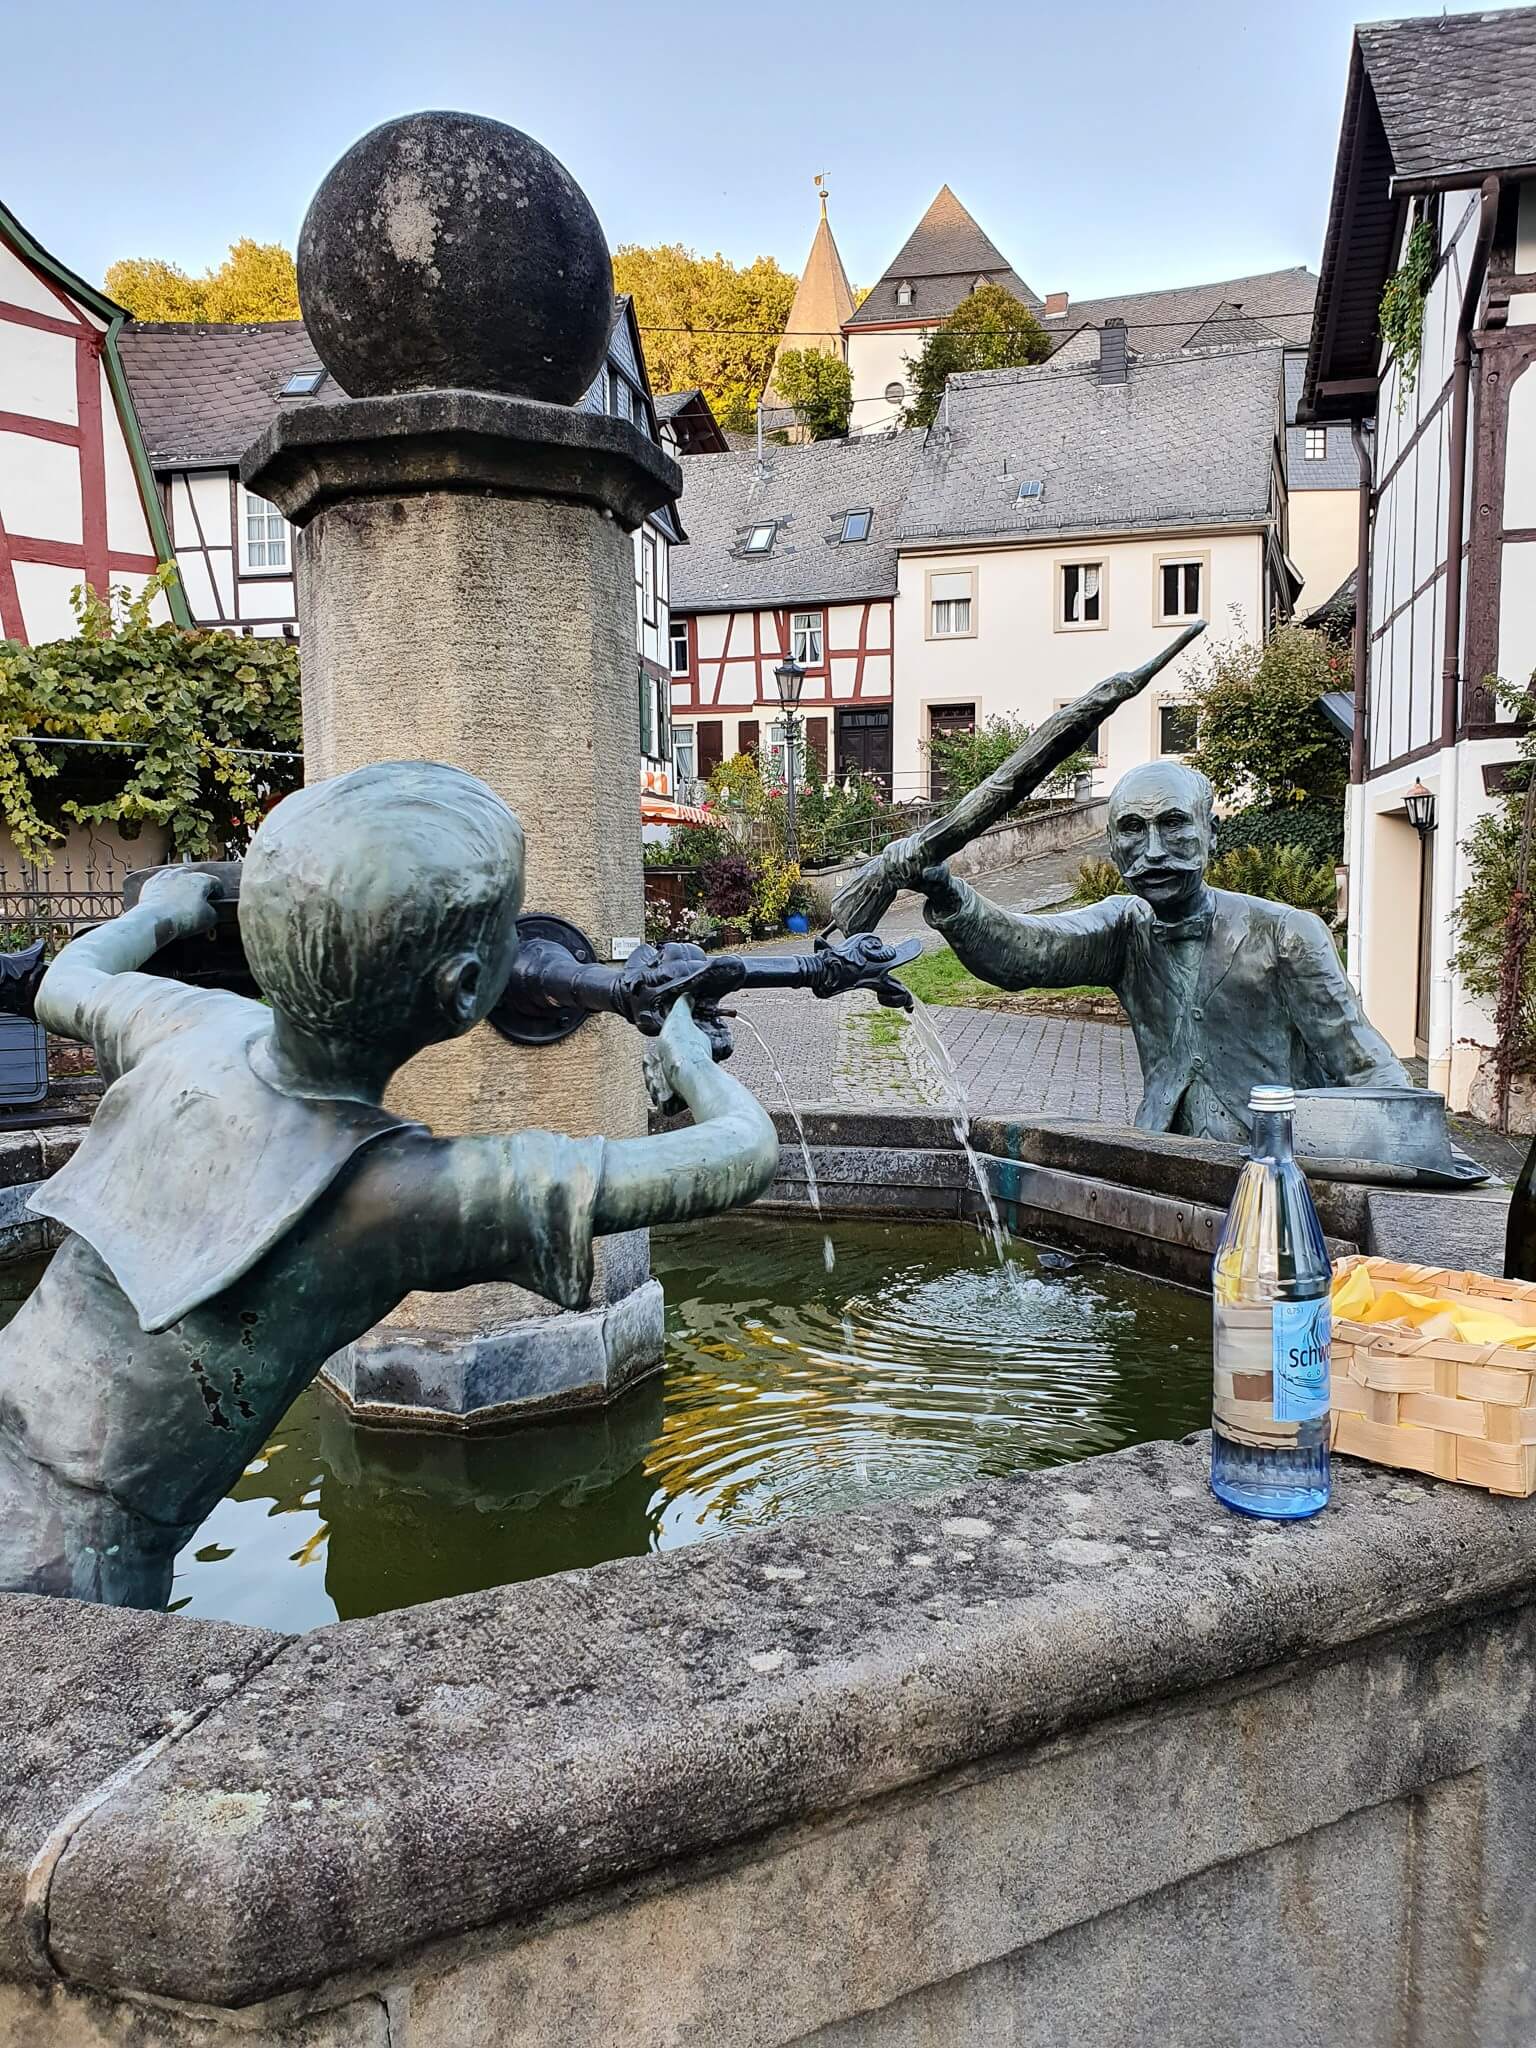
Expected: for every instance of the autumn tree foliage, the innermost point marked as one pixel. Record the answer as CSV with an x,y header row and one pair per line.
x,y
707,323
256,281
988,330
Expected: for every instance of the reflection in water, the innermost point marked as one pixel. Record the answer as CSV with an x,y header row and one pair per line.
x,y
788,1390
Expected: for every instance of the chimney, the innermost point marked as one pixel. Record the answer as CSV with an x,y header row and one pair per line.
x,y
1055,307
1112,361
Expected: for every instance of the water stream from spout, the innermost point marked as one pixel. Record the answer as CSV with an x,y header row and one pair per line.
x,y
828,1253
936,1052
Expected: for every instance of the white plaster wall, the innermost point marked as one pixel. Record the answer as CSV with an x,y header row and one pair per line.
x,y
40,489
37,372
1324,541
876,357
1018,666
19,286
1517,611
43,592
127,521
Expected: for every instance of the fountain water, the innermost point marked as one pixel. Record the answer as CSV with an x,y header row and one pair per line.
x,y
937,1053
828,1251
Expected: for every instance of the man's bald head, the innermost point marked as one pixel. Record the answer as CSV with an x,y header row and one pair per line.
x,y
1162,782
1160,834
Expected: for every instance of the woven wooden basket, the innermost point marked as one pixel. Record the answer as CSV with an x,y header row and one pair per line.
x,y
1430,1404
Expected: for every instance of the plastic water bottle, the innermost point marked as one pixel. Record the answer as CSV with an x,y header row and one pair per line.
x,y
1269,1417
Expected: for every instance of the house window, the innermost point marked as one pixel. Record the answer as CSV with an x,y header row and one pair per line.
x,y
647,714
302,384
805,638
856,525
648,578
1176,733
759,540
1317,444
903,295
1031,489
621,400
679,638
1179,589
684,755
950,604
263,535
1082,593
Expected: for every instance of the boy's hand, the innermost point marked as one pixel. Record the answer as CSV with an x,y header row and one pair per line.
x,y
184,895
668,1058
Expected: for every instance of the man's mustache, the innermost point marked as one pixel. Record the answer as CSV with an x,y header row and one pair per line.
x,y
1150,869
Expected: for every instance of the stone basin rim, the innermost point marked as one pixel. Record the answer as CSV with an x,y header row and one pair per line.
x,y
510,1741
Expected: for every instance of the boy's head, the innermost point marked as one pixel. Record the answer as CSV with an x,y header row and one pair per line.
x,y
381,906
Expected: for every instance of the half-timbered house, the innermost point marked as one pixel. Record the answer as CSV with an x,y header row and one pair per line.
x,y
793,554
1437,145
78,504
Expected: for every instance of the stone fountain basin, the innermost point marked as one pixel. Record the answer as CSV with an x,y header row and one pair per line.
x,y
976,1768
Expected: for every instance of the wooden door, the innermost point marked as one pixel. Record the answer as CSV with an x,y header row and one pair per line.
x,y
946,720
864,745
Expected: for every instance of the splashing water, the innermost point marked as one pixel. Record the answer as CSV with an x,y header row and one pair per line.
x,y
828,1252
937,1053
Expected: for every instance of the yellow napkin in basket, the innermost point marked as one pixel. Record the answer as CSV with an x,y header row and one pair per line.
x,y
1357,1299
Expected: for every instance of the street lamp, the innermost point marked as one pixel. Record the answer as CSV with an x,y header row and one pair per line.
x,y
790,677
1419,803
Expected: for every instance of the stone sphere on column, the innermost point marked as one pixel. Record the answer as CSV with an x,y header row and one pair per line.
x,y
447,251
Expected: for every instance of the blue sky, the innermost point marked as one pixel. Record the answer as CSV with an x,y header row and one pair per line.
x,y
1114,148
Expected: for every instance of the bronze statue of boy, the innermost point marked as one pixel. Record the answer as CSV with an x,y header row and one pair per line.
x,y
244,1204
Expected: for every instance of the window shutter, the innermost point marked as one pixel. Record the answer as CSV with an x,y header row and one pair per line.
x,y
952,583
711,732
816,746
750,736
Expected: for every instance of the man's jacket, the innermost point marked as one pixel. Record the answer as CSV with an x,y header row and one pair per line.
x,y
1246,992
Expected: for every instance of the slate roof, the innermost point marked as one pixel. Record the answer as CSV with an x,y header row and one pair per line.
x,y
670,403
1185,440
1456,93
942,258
807,489
823,301
203,394
1270,305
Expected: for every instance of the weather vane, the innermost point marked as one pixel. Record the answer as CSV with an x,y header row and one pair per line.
x,y
821,191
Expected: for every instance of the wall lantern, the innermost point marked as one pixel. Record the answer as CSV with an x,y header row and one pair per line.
x,y
1419,803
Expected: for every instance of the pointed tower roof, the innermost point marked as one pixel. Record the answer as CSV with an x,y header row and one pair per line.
x,y
823,301
942,260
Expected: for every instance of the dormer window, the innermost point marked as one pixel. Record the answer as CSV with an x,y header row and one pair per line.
x,y
856,525
1033,489
903,295
980,281
760,540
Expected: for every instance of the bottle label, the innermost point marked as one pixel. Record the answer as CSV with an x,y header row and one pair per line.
x,y
1301,1337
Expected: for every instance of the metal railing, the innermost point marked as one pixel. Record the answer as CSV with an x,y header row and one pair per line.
x,y
54,903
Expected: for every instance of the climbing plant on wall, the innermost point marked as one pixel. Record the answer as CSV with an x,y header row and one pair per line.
x,y
1401,314
196,719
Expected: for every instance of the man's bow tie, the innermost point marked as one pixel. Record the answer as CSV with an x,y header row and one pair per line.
x,y
1196,927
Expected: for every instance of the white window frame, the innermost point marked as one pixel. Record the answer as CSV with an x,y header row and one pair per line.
x,y
1160,563
1100,595
752,546
685,741
808,638
905,295
648,578
678,632
1316,447
948,612
252,507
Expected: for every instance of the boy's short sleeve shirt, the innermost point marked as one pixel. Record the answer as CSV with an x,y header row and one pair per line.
x,y
532,1199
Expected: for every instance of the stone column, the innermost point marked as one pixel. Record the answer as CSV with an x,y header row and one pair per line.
x,y
466,595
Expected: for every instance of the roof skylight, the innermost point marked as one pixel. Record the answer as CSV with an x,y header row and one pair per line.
x,y
302,384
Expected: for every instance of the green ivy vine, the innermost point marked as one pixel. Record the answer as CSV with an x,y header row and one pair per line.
x,y
195,718
1401,317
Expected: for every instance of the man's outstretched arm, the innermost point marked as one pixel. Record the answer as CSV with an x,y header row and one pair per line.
x,y
1012,949
728,1156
